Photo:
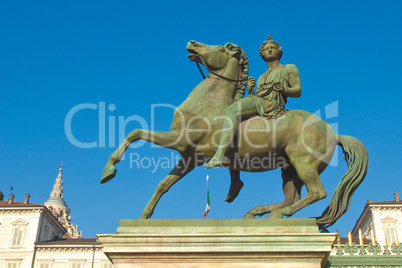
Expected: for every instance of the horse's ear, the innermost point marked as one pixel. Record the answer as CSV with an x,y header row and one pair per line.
x,y
234,50
234,53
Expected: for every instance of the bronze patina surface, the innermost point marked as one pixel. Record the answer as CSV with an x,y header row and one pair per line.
x,y
298,142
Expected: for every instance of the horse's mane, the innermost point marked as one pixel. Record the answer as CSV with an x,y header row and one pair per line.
x,y
243,61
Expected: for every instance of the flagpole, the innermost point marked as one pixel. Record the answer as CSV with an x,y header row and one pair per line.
x,y
207,207
11,189
206,217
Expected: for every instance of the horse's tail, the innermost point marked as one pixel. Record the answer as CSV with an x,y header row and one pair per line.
x,y
356,157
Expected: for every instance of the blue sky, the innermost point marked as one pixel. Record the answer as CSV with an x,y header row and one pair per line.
x,y
56,55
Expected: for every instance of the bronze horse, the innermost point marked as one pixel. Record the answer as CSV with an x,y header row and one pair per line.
x,y
298,142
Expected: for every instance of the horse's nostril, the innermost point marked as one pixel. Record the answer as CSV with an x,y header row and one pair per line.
x,y
192,42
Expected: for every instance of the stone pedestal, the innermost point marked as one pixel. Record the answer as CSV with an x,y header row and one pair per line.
x,y
218,243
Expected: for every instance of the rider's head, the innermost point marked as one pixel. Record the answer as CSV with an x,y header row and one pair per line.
x,y
280,52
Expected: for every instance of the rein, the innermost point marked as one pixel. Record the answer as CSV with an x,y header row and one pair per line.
x,y
199,68
221,76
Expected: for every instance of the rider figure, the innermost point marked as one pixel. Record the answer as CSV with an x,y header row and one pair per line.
x,y
273,88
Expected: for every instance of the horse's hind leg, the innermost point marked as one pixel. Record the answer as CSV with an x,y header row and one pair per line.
x,y
181,169
291,188
306,168
165,139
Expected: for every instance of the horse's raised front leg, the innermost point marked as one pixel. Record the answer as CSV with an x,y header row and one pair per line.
x,y
291,188
184,166
169,139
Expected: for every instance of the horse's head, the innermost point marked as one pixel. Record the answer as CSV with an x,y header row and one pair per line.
x,y
215,57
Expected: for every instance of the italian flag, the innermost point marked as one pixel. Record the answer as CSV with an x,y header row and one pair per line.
x,y
208,201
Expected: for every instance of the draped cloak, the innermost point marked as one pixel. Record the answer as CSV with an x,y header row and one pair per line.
x,y
270,103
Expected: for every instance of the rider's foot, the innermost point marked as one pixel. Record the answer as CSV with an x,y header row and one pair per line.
x,y
214,162
108,173
234,191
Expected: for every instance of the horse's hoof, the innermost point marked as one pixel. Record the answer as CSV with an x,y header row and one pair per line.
x,y
248,216
145,215
275,215
108,173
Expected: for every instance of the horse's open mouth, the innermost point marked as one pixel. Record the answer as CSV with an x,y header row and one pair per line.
x,y
193,56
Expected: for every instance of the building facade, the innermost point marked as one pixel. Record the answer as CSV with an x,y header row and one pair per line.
x,y
43,236
374,241
381,220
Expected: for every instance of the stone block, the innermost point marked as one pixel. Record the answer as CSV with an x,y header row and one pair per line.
x,y
217,243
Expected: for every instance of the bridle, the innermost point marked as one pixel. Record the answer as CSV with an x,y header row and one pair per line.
x,y
221,76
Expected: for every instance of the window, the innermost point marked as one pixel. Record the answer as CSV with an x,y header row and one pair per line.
x,y
17,237
12,264
76,265
107,265
17,233
389,225
390,234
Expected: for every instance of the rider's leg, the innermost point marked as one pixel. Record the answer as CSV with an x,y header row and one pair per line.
x,y
245,108
235,185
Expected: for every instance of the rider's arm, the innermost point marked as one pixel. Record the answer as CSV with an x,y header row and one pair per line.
x,y
250,88
294,80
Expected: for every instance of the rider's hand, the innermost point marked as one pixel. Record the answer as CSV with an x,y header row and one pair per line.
x,y
251,85
278,87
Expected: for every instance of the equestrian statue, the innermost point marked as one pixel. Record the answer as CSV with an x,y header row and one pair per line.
x,y
217,126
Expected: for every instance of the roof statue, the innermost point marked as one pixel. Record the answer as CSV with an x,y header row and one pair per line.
x,y
217,126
